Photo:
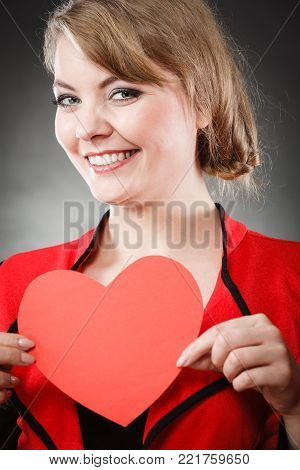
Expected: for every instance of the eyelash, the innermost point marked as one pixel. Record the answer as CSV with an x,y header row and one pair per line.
x,y
134,93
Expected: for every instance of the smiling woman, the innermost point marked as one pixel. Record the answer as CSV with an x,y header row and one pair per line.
x,y
149,98
128,41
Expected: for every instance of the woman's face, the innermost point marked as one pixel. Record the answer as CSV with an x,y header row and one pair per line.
x,y
122,116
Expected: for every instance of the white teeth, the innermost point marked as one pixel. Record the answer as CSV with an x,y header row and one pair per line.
x,y
121,156
106,159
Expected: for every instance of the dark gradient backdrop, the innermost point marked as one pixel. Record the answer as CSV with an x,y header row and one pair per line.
x,y
37,177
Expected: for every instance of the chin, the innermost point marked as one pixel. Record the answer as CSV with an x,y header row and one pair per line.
x,y
103,198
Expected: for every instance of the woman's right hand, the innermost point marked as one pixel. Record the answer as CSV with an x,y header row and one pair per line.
x,y
13,351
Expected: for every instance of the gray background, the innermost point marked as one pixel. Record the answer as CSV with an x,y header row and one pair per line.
x,y
37,177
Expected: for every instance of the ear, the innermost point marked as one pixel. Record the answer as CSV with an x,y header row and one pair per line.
x,y
201,121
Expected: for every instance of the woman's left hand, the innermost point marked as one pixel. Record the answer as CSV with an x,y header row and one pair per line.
x,y
251,353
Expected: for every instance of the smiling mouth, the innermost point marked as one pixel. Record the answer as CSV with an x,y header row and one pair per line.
x,y
110,160
114,166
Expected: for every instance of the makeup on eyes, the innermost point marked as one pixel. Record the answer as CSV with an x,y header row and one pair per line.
x,y
133,92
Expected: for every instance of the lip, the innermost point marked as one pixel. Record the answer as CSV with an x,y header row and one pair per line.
x,y
113,166
109,152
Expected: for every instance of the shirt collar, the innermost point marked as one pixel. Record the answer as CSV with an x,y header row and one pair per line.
x,y
236,232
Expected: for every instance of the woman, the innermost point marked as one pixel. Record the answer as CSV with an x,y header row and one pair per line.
x,y
149,99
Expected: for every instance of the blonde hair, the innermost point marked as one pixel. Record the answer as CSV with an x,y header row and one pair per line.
x,y
185,38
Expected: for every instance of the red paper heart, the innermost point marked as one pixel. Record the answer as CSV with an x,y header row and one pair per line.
x,y
113,349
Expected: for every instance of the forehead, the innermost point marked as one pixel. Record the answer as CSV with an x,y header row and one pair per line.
x,y
68,52
69,64
70,61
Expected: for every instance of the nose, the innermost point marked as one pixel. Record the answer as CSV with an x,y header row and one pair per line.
x,y
90,125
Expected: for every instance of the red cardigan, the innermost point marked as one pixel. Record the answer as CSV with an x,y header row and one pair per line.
x,y
200,409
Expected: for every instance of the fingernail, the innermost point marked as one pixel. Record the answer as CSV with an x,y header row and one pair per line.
x,y
14,380
27,358
181,361
25,343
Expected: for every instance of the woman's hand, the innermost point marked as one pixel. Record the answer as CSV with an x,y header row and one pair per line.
x,y
251,353
13,349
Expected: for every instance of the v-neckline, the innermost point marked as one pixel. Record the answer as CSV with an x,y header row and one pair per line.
x,y
233,232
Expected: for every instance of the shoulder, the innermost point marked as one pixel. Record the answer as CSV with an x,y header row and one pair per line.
x,y
268,267
56,256
273,263
266,240
19,265
19,269
267,271
43,253
269,252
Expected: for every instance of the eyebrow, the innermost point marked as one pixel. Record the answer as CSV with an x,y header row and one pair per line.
x,y
101,85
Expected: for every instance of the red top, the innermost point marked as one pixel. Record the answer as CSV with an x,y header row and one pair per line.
x,y
200,409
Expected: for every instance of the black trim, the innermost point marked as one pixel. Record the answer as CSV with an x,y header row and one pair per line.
x,y
11,432
92,243
25,413
205,392
231,286
32,422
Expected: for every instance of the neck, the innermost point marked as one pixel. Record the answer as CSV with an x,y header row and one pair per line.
x,y
166,223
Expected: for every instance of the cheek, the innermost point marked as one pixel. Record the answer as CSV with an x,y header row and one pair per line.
x,y
64,132
152,127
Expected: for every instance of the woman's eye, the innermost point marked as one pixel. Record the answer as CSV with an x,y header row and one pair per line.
x,y
125,91
67,101
60,101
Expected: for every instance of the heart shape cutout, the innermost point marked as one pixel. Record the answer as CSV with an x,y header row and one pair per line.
x,y
113,348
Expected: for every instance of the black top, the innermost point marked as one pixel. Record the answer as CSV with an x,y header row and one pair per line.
x,y
97,432
9,431
101,433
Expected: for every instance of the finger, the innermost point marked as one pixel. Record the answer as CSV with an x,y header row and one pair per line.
x,y
203,344
221,343
198,348
204,363
256,377
13,356
246,358
236,338
16,341
8,380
